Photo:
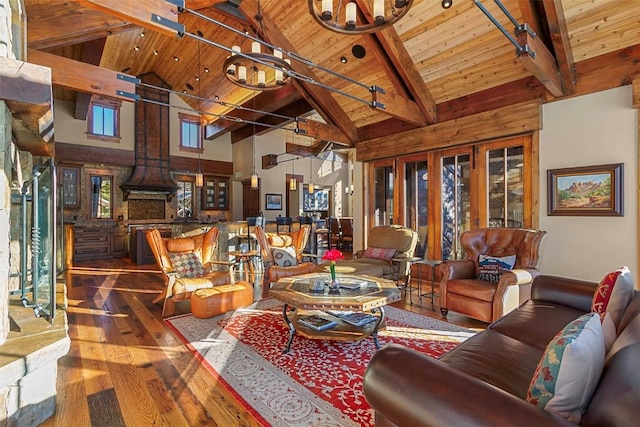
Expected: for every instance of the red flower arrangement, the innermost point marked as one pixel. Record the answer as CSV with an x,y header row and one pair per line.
x,y
332,255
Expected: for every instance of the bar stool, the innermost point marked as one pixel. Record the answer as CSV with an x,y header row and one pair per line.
x,y
321,236
335,233
346,230
283,224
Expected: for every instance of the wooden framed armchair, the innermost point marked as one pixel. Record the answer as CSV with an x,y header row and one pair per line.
x,y
295,242
187,266
462,291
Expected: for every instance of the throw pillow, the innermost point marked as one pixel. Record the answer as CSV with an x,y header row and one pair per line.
x,y
609,330
570,368
187,264
614,294
284,257
379,253
490,268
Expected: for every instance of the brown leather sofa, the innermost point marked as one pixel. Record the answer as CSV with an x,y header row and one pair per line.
x,y
397,237
484,381
462,292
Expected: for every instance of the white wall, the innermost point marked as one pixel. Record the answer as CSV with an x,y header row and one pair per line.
x,y
594,129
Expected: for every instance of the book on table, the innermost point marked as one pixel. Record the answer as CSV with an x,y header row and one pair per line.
x,y
317,322
352,283
355,318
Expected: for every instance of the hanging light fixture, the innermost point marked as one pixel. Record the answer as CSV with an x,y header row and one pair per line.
x,y
343,18
269,70
254,175
311,187
293,182
199,175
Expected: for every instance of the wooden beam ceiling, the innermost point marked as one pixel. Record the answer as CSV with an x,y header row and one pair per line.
x,y
82,77
91,54
561,44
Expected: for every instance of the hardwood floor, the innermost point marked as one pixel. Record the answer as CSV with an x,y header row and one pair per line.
x,y
126,368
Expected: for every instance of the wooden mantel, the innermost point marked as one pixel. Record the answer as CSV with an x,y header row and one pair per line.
x,y
26,88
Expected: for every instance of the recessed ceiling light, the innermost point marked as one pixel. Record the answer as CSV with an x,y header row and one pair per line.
x,y
136,48
155,52
175,58
184,91
141,34
343,59
206,70
197,78
446,4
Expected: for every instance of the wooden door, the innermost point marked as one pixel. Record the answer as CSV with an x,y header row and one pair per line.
x,y
250,199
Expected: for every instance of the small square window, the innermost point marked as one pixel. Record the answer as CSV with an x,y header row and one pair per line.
x,y
103,120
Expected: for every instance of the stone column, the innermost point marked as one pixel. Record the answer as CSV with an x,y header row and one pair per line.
x,y
6,51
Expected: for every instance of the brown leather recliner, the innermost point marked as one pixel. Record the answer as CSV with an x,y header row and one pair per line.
x,y
178,287
267,241
462,292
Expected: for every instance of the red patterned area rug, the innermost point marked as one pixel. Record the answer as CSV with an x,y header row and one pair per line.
x,y
318,383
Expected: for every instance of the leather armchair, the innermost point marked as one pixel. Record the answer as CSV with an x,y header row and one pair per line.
x,y
460,291
267,241
179,288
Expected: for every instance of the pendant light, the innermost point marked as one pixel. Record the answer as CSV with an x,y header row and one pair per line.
x,y
311,188
254,176
293,183
199,176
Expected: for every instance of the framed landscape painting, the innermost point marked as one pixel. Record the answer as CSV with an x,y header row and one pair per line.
x,y
273,202
586,191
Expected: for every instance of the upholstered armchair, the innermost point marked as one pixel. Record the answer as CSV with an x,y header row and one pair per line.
x,y
461,289
282,254
384,243
187,266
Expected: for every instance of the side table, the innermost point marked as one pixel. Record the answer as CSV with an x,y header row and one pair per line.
x,y
407,284
433,263
245,259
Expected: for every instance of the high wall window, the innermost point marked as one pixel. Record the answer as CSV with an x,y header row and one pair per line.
x,y
103,120
190,132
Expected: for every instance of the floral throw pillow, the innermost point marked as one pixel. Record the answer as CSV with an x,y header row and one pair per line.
x,y
284,257
613,294
380,253
570,368
490,268
187,264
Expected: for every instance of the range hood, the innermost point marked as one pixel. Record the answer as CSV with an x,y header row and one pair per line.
x,y
152,172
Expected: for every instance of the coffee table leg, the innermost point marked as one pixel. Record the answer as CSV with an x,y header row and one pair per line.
x,y
374,334
292,329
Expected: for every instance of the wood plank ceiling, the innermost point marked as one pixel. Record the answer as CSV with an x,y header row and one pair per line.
x,y
434,65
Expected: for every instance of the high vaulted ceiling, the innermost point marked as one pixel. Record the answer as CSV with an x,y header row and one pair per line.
x,y
434,64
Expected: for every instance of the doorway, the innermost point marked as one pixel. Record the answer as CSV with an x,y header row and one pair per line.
x,y
250,199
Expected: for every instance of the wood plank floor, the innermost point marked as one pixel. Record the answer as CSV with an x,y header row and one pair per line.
x,y
126,368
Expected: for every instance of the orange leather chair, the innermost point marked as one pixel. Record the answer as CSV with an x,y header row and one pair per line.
x,y
296,239
187,266
462,292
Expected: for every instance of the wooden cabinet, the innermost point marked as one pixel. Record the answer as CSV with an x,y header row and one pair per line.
x,y
215,193
98,242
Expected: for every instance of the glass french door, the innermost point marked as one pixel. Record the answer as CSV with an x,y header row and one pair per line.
x,y
414,203
457,200
383,194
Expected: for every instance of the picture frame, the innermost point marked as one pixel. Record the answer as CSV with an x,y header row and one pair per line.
x,y
586,191
273,202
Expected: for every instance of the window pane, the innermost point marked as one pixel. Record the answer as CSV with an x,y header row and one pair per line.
x,y
383,198
416,208
185,199
506,187
456,205
190,134
98,120
109,122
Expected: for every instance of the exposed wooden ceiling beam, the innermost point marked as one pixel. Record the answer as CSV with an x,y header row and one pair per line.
x,y
540,62
321,131
64,23
91,54
561,44
298,108
82,77
636,92
604,71
140,12
26,89
268,101
326,106
394,50
512,120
